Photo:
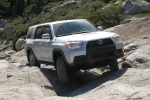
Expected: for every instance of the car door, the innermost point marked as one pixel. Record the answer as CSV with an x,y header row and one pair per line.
x,y
37,43
46,46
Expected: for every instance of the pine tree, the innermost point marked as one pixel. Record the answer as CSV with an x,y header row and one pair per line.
x,y
19,7
28,2
38,6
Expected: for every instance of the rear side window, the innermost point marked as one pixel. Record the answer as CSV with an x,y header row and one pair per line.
x,y
38,33
46,29
29,33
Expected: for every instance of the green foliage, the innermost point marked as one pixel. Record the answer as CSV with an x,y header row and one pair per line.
x,y
18,20
97,12
38,6
142,15
29,9
110,15
106,1
5,8
19,30
19,7
1,32
52,4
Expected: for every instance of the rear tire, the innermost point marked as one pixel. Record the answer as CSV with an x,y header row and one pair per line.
x,y
62,70
114,65
32,60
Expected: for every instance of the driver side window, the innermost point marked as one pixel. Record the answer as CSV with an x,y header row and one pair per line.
x,y
47,29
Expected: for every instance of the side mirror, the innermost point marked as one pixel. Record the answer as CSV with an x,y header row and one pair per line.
x,y
100,28
46,36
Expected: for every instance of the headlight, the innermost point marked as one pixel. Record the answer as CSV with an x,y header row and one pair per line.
x,y
74,44
116,38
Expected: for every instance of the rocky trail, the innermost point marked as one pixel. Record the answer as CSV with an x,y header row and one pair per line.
x,y
18,81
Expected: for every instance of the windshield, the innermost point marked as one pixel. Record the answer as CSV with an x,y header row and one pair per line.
x,y
73,27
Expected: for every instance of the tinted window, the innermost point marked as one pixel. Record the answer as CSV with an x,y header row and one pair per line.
x,y
46,29
73,27
38,33
29,33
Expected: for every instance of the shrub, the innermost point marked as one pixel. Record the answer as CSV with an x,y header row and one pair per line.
x,y
142,15
110,16
18,20
1,32
19,30
5,9
93,11
51,5
19,7
106,1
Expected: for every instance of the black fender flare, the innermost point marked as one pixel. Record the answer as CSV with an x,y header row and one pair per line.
x,y
62,53
29,49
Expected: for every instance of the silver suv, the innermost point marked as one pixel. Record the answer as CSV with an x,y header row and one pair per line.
x,y
72,45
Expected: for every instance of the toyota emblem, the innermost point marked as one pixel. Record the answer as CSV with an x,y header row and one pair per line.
x,y
100,42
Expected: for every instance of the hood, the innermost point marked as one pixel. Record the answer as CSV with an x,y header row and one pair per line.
x,y
87,36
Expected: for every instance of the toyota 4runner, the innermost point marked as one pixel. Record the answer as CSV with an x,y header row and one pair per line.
x,y
72,45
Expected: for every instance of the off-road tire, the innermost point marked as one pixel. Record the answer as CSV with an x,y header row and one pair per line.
x,y
32,60
62,70
114,65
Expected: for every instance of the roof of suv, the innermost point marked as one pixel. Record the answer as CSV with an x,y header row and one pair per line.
x,y
56,22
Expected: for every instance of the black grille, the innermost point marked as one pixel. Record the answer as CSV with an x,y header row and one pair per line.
x,y
102,55
94,43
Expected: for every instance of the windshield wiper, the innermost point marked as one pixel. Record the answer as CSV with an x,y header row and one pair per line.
x,y
72,33
80,32
62,35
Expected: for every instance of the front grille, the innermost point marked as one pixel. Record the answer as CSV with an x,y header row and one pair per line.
x,y
102,55
106,42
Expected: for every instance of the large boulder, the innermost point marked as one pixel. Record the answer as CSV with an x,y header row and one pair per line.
x,y
19,45
130,47
140,58
135,6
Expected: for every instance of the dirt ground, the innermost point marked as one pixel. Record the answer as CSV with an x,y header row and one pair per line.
x,y
137,31
18,81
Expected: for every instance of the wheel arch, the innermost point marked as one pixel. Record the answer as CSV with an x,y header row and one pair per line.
x,y
57,53
28,52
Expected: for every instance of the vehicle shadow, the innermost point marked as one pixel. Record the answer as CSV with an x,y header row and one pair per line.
x,y
86,79
105,77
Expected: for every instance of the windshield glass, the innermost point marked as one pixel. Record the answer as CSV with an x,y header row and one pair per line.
x,y
73,27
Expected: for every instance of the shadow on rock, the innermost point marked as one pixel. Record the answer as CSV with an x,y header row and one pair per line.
x,y
105,77
56,85
85,79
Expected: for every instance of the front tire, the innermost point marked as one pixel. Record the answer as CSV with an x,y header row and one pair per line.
x,y
114,65
32,60
62,70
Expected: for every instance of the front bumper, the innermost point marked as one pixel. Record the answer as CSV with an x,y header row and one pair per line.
x,y
97,57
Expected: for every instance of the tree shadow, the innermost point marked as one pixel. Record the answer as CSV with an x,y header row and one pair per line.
x,y
87,80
